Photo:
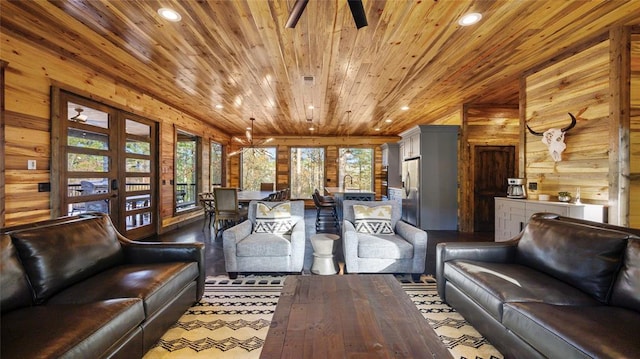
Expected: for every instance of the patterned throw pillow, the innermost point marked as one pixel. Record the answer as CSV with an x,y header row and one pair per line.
x,y
373,220
276,220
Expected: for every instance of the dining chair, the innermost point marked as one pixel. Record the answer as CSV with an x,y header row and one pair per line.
x,y
208,202
266,186
227,209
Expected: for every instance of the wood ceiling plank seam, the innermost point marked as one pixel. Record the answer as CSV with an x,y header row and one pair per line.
x,y
209,37
273,36
63,47
169,98
408,59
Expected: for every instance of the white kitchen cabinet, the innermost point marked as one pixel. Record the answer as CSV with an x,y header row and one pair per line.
x,y
513,214
395,194
410,143
510,218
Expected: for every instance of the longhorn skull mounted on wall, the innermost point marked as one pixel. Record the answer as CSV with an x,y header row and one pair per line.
x,y
553,138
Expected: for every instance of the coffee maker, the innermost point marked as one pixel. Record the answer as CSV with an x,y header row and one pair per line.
x,y
516,188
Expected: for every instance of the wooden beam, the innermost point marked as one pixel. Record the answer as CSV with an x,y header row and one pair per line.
x,y
619,125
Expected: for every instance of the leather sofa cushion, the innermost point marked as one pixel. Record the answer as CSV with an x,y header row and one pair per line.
x,y
55,257
383,246
559,331
71,331
156,284
626,291
264,245
14,287
586,257
491,285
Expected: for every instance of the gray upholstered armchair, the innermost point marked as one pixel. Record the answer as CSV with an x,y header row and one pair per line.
x,y
405,251
259,244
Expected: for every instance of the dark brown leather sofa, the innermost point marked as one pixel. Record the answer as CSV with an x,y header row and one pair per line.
x,y
75,288
563,288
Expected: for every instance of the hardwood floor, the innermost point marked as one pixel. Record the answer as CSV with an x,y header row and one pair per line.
x,y
193,232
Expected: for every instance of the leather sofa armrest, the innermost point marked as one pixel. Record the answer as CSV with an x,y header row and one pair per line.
x,y
162,252
477,251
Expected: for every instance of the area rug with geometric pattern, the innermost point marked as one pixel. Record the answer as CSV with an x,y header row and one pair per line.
x,y
232,319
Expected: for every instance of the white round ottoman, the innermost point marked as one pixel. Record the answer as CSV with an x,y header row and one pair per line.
x,y
323,245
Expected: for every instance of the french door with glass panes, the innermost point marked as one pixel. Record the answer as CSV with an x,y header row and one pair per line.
x,y
108,164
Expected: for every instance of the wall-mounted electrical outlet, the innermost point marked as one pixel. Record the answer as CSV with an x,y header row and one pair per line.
x,y
533,186
31,164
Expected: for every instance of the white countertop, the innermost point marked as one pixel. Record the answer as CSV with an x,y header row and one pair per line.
x,y
338,190
549,202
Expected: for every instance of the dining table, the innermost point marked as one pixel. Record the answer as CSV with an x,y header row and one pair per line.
x,y
244,197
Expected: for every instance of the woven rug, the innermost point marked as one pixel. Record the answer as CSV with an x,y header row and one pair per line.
x,y
233,317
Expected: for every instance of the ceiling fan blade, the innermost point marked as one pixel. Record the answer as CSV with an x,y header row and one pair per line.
x,y
239,140
296,12
357,10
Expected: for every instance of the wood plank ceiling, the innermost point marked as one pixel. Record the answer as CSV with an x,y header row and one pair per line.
x,y
238,54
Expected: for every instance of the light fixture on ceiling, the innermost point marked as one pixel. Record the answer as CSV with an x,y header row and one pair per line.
x,y
470,19
169,14
79,117
356,7
248,145
404,108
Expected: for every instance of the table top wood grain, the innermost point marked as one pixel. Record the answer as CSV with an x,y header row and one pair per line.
x,y
349,316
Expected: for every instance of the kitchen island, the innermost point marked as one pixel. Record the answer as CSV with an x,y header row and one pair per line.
x,y
340,194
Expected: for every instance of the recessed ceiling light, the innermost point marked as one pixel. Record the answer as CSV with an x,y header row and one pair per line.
x,y
219,106
312,128
311,107
388,120
470,19
169,14
404,108
377,128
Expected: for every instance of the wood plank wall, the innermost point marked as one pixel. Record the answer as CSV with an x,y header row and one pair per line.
x,y
590,83
634,193
578,84
482,125
29,76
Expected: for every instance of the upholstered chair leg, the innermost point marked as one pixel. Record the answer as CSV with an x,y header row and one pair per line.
x,y
233,275
416,276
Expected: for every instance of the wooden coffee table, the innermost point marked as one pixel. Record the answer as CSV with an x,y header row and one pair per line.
x,y
349,316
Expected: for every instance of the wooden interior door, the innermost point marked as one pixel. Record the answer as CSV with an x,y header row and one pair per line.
x,y
492,166
107,163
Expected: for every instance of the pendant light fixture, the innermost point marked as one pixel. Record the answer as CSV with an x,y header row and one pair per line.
x,y
249,145
79,117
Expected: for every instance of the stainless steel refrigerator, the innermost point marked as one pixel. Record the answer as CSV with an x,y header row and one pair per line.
x,y
411,191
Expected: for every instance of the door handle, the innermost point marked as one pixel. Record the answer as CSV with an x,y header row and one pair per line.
x,y
114,184
407,185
